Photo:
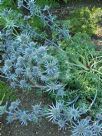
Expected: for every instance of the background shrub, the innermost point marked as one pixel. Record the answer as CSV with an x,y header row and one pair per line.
x,y
84,20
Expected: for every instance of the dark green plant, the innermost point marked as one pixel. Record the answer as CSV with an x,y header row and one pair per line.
x,y
8,4
36,23
6,93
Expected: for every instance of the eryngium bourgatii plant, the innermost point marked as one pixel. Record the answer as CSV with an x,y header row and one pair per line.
x,y
29,63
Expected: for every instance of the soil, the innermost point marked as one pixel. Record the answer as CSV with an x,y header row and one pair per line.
x,y
44,127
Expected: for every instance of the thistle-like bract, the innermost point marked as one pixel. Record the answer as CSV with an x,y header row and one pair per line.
x,y
82,128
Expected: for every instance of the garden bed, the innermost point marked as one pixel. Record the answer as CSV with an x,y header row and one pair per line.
x,y
45,127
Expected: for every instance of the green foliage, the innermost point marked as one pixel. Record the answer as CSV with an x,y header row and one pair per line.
x,y
6,93
8,18
64,66
84,20
78,41
36,23
8,4
85,70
